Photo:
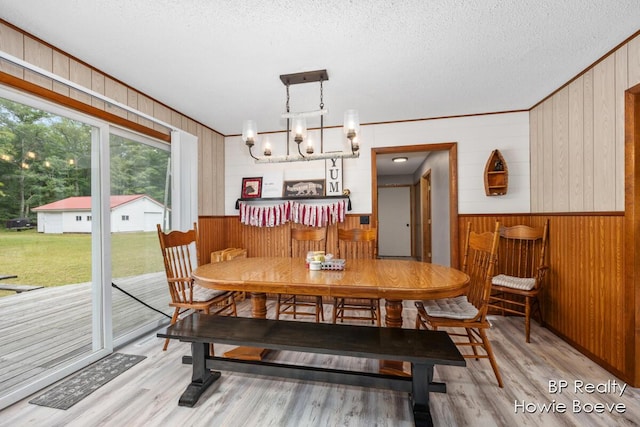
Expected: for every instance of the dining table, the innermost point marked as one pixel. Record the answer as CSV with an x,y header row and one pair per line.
x,y
393,280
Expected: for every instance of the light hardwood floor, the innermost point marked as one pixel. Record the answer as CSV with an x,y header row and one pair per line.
x,y
147,394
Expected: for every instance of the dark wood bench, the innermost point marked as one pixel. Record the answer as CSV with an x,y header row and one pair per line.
x,y
423,348
18,288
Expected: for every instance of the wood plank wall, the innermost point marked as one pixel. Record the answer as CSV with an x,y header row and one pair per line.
x,y
583,299
210,172
577,138
221,232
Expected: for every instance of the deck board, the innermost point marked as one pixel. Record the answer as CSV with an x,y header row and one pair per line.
x,y
43,328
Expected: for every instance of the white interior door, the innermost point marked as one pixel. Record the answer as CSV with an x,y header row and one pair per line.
x,y
394,221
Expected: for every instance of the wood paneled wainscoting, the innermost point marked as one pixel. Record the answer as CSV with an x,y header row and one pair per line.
x,y
219,232
584,292
584,298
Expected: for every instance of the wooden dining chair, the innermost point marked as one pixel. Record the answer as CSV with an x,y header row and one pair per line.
x,y
468,311
180,251
357,243
303,240
521,263
232,253
227,254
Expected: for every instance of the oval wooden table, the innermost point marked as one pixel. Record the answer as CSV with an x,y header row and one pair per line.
x,y
393,280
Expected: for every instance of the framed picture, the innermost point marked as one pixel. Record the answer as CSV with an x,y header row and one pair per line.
x,y
303,188
272,184
251,187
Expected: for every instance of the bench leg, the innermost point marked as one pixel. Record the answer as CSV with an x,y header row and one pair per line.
x,y
421,380
201,378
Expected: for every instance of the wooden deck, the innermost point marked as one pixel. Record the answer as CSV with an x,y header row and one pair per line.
x,y
43,328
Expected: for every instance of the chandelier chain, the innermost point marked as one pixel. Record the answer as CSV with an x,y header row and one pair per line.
x,y
287,97
321,118
288,119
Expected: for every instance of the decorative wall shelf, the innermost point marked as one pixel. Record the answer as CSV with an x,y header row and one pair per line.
x,y
496,175
297,198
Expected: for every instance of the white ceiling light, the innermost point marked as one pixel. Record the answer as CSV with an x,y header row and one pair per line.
x,y
297,127
399,159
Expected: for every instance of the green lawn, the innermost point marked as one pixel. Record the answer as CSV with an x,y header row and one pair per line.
x,y
59,259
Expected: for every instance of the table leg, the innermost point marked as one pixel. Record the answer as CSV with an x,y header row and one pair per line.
x,y
393,319
201,377
259,311
259,305
420,385
393,316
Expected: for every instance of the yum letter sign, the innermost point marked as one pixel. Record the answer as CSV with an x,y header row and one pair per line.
x,y
333,176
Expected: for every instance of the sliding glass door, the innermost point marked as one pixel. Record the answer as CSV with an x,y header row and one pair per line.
x,y
50,241
140,200
79,204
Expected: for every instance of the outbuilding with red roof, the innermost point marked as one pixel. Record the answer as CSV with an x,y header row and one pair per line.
x,y
136,212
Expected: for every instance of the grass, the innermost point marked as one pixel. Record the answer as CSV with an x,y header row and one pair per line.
x,y
60,259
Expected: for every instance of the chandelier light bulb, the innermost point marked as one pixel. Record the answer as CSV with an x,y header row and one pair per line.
x,y
351,124
299,129
249,132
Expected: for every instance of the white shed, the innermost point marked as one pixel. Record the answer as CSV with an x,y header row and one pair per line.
x,y
137,212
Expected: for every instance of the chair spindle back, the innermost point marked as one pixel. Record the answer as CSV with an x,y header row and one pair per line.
x,y
522,250
479,263
178,249
304,240
357,243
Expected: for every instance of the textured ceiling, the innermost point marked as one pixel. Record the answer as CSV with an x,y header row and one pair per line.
x,y
219,61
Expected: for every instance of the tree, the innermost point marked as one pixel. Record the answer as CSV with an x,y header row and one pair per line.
x,y
43,158
137,168
72,141
22,135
